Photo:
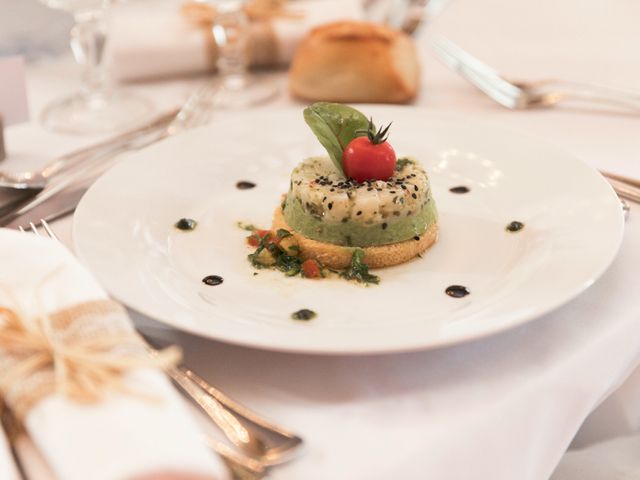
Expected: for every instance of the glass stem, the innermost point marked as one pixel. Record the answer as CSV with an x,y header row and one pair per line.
x,y
88,38
230,32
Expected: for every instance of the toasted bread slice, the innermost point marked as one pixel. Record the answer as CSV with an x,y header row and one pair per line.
x,y
338,257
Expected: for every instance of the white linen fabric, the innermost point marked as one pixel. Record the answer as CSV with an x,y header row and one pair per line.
x,y
7,468
505,407
615,459
166,43
123,436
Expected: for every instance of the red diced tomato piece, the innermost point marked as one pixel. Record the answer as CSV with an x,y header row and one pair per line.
x,y
311,269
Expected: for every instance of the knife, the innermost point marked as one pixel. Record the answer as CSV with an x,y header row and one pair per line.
x,y
62,196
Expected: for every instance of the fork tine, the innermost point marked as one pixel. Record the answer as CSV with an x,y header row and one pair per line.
x,y
34,229
48,229
21,229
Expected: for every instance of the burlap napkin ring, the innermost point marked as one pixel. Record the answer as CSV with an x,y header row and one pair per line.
x,y
82,352
263,44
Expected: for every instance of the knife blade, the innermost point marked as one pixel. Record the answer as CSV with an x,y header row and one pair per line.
x,y
59,206
57,199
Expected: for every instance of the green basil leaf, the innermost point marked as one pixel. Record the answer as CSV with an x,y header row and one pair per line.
x,y
335,125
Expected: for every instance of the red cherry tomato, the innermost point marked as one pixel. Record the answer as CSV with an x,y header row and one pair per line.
x,y
311,269
363,160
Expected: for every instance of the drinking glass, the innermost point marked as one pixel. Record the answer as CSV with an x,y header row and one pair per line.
x,y
97,107
238,88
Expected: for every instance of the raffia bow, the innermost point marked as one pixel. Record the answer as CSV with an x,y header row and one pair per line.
x,y
82,352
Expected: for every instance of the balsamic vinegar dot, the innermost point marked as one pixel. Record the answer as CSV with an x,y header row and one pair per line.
x,y
245,185
212,280
457,291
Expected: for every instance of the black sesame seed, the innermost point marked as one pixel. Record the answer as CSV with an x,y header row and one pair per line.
x,y
404,187
324,199
416,238
414,195
369,189
415,187
332,190
330,205
392,191
384,226
359,212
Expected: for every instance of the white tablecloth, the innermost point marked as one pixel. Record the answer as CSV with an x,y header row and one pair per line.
x,y
502,408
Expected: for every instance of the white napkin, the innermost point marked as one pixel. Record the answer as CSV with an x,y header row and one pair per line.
x,y
142,45
616,459
122,437
7,469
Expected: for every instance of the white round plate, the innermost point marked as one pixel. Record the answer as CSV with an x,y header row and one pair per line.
x,y
124,232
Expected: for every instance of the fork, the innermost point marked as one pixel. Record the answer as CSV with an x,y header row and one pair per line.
x,y
236,421
196,110
520,94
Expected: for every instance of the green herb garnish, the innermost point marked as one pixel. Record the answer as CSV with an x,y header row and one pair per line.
x,y
282,233
186,224
335,125
401,163
358,270
375,137
246,226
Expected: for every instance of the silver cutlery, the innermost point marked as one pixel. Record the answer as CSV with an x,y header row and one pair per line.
x,y
196,111
255,436
38,179
405,15
520,94
244,428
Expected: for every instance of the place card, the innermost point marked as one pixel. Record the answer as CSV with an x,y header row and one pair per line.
x,y
13,91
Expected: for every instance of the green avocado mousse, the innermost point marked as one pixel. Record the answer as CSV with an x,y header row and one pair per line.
x,y
360,195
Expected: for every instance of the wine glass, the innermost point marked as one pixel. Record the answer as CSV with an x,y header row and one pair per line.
x,y
97,107
238,88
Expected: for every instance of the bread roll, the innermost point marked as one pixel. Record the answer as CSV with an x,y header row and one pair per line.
x,y
355,62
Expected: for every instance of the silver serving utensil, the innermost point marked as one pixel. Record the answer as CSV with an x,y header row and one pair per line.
x,y
255,436
38,179
196,111
520,94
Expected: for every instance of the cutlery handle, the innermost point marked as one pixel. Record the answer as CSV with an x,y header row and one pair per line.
x,y
598,94
625,191
224,419
99,150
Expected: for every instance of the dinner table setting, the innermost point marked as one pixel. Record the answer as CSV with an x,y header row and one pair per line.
x,y
446,289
